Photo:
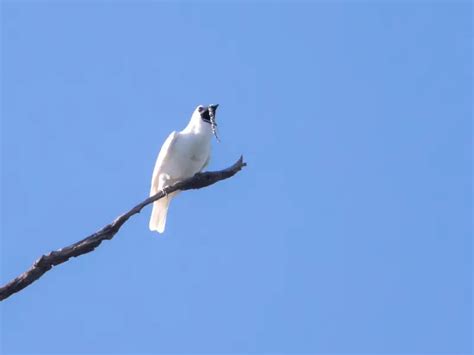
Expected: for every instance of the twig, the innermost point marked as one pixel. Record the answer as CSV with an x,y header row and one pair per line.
x,y
86,245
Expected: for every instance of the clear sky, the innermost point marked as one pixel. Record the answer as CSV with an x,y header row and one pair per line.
x,y
348,232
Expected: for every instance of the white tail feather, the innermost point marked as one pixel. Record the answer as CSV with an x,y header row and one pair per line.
x,y
159,213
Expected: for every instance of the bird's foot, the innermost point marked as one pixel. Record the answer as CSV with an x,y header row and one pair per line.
x,y
163,191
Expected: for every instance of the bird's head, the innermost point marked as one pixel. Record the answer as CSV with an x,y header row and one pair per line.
x,y
207,113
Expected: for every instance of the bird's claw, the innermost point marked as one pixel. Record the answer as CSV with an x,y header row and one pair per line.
x,y
163,191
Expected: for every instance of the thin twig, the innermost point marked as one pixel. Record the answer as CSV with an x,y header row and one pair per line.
x,y
86,245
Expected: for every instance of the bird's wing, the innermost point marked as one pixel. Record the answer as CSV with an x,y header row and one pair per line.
x,y
165,153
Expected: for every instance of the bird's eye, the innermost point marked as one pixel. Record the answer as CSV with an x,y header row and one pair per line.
x,y
200,108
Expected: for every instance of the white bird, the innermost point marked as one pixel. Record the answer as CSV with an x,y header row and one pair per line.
x,y
182,155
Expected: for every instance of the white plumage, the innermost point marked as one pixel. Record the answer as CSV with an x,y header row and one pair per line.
x,y
183,154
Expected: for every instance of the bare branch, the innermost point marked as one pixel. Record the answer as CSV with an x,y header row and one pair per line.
x,y
86,245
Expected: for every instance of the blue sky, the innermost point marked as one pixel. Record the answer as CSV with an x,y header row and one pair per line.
x,y
348,232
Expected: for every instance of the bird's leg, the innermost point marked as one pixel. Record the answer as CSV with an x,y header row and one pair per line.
x,y
165,182
163,191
